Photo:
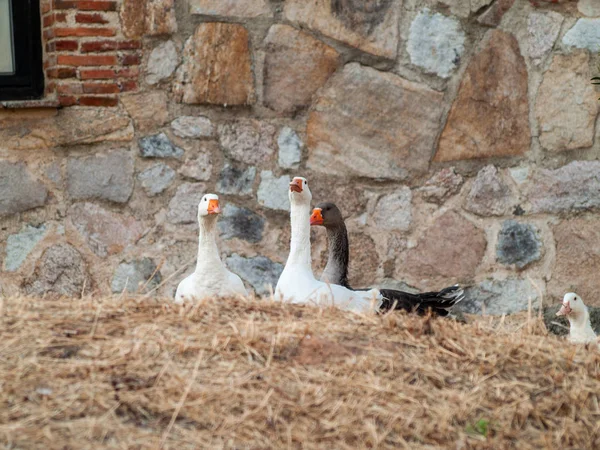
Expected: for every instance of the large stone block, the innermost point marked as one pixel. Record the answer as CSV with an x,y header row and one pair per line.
x,y
452,248
436,43
518,244
236,181
490,194
370,25
566,105
577,261
60,271
394,211
584,34
499,297
105,232
373,124
249,141
490,116
574,187
162,62
231,8
148,17
19,190
71,126
105,177
241,223
542,29
217,68
296,65
148,110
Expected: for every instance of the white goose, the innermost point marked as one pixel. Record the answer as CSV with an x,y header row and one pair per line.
x,y
211,278
297,282
580,329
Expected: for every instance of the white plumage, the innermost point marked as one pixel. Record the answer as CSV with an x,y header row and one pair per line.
x,y
580,328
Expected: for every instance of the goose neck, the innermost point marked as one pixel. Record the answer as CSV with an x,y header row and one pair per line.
x,y
208,253
300,240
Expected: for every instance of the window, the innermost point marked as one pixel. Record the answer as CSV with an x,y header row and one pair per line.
x,y
21,72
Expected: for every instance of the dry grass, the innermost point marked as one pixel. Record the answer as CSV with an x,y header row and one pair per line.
x,y
110,373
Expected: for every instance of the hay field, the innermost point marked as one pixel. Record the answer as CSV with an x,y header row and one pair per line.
x,y
133,373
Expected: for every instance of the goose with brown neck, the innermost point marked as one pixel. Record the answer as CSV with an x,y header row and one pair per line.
x,y
329,216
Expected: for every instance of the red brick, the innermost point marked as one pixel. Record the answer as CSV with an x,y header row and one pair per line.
x,y
131,59
67,100
90,18
127,86
83,31
70,88
62,72
86,5
51,47
98,101
101,88
48,20
60,17
87,60
66,45
130,72
97,74
108,46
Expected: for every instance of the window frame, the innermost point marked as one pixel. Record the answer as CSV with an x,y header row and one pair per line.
x,y
27,82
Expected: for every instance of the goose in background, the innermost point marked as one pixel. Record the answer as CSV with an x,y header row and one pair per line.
x,y
336,269
580,327
297,282
210,278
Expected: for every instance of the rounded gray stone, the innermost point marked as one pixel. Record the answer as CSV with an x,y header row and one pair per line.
x,y
236,181
20,245
137,276
260,272
241,223
518,244
156,179
159,146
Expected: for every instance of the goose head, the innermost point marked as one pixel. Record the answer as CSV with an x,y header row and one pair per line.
x,y
326,214
299,192
208,206
572,305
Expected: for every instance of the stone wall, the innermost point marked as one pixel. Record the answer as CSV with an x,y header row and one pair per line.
x,y
460,138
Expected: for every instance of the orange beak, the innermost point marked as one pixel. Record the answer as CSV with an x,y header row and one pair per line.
x,y
565,310
296,185
213,207
316,218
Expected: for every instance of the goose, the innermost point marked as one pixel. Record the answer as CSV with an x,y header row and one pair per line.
x,y
211,278
336,270
580,328
297,283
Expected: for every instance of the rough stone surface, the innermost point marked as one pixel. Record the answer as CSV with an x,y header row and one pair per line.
x,y
162,62
20,245
518,244
574,187
371,26
241,223
231,8
290,148
260,272
584,34
106,176
148,109
577,261
192,127
248,141
452,247
137,276
499,297
436,43
183,207
236,181
589,7
442,185
363,112
567,105
296,65
490,116
60,271
464,8
71,126
562,329
156,179
394,211
490,194
20,191
105,232
350,197
159,146
199,168
217,66
542,30
364,260
160,17
273,191
493,15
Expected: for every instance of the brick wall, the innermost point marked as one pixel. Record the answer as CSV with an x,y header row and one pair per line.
x,y
88,60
